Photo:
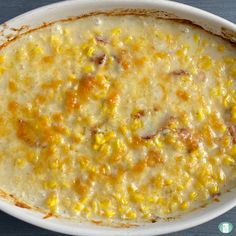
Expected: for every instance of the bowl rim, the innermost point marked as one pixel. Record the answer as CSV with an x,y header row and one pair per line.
x,y
24,215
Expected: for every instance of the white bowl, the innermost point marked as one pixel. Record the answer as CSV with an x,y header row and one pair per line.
x,y
67,9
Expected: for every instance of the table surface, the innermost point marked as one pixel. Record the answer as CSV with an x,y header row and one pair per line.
x,y
10,226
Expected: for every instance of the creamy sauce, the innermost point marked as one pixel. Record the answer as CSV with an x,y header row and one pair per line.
x,y
117,118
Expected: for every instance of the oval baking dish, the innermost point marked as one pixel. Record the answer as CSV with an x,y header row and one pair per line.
x,y
158,8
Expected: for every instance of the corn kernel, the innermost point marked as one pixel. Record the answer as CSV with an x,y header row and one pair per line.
x,y
214,189
88,68
77,137
20,162
229,60
38,51
228,160
100,139
105,149
221,176
196,38
52,202
109,213
119,145
131,215
123,129
233,71
200,115
78,207
184,205
193,196
2,59
233,113
116,31
128,39
233,150
158,143
2,70
205,62
136,124
90,51
168,181
52,184
221,48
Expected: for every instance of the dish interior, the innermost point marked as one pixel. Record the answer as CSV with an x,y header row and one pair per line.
x,y
117,119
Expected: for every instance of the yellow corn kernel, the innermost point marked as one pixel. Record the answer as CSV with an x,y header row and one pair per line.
x,y
160,34
158,143
119,145
65,185
205,62
2,70
96,147
233,113
233,150
88,68
83,161
105,149
131,215
101,94
109,213
229,60
121,198
153,199
2,59
193,196
233,71
137,197
116,31
160,55
128,39
90,51
32,157
200,115
123,129
77,137
168,181
95,206
196,38
171,138
146,215
180,187
109,135
173,206
37,51
55,41
181,52
52,202
184,205
136,124
214,92
221,176
52,184
221,48
99,138
228,160
227,100
161,201
214,189
78,207
20,163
